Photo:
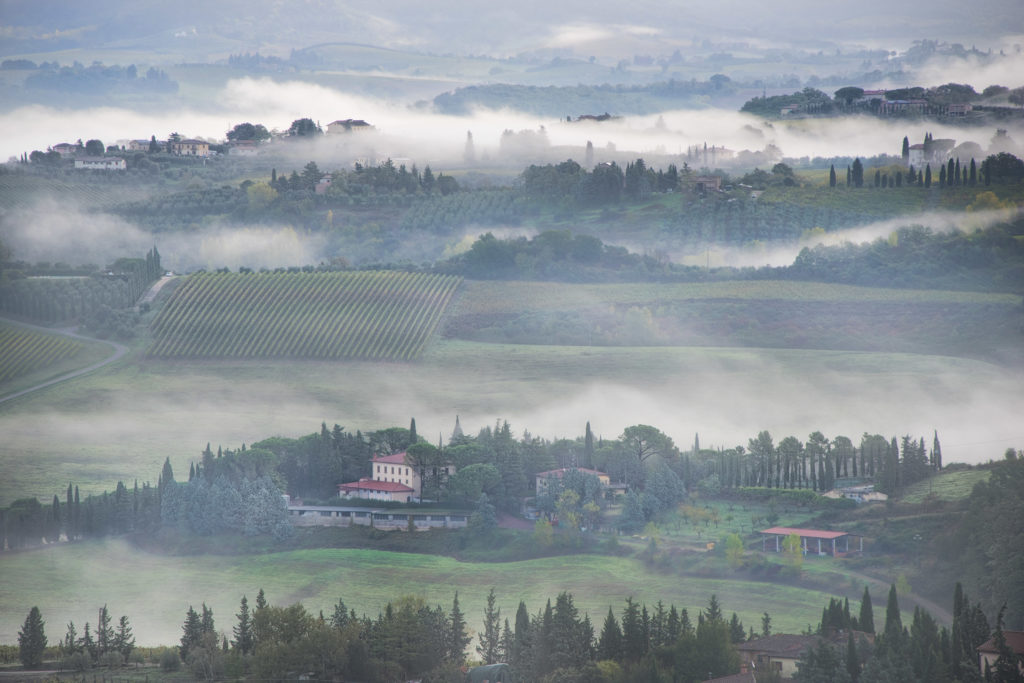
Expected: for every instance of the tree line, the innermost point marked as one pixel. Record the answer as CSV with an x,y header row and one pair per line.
x,y
556,644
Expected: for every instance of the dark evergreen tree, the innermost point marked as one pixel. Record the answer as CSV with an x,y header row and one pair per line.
x,y
832,175
634,641
892,636
852,660
822,664
490,636
124,640
866,618
906,149
588,448
32,640
458,639
609,645
242,631
192,633
928,175
857,173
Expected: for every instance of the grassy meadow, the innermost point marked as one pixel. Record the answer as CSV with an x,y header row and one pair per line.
x,y
69,582
949,486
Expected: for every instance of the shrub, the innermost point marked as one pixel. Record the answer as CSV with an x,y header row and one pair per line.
x,y
169,660
76,661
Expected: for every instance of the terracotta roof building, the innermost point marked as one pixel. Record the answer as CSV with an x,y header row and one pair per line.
x,y
377,490
395,469
988,654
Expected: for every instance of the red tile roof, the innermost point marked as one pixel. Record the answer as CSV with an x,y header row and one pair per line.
x,y
1014,640
804,533
396,459
374,485
785,645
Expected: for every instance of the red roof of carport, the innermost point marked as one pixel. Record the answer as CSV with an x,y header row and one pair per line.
x,y
806,533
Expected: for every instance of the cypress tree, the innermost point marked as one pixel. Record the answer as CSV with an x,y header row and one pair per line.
x,y
942,175
609,646
588,448
906,149
852,661
928,175
832,175
972,178
866,619
893,623
458,639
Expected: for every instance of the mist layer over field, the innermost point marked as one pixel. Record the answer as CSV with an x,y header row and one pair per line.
x,y
120,423
402,128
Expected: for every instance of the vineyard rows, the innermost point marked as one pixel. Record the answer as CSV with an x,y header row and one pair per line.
x,y
376,315
22,351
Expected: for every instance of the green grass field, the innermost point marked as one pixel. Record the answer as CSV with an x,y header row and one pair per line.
x,y
955,485
69,582
513,297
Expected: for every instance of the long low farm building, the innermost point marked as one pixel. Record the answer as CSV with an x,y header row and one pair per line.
x,y
812,541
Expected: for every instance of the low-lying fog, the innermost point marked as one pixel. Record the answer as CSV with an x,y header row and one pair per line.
x,y
406,131
122,423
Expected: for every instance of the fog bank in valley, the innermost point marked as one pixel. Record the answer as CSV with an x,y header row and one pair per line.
x,y
55,232
425,137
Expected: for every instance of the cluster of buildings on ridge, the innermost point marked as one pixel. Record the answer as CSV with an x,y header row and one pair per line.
x,y
394,479
186,147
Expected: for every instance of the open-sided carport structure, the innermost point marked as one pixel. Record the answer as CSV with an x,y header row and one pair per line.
x,y
815,541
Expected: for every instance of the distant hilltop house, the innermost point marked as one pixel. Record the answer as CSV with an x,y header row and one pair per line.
x,y
988,653
545,478
66,149
245,148
707,183
812,541
323,184
959,110
937,151
190,148
394,479
348,126
903,107
138,145
861,494
101,163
